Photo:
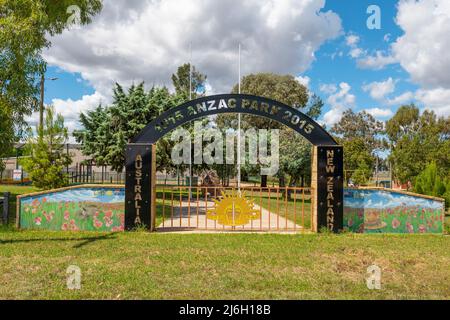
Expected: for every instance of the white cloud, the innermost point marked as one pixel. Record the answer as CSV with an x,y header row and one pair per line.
x,y
147,40
339,101
71,109
304,80
376,62
401,99
423,50
379,90
352,40
437,100
356,52
328,88
380,113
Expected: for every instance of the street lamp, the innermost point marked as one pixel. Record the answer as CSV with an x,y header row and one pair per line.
x,y
41,106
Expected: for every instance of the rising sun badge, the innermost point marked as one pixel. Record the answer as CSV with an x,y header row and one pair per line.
x,y
233,210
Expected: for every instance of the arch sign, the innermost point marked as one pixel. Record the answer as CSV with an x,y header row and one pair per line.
x,y
327,164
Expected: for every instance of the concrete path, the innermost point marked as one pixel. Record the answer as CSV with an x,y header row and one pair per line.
x,y
195,220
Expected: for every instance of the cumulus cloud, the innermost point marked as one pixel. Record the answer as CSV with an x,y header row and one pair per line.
x,y
380,113
379,90
304,80
147,40
339,101
424,47
377,61
70,109
352,41
328,88
403,98
437,100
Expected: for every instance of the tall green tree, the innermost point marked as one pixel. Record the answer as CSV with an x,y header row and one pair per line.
x,y
24,29
47,159
283,88
107,130
182,77
416,140
361,136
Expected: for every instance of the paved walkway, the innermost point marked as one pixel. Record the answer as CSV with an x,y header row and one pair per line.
x,y
195,219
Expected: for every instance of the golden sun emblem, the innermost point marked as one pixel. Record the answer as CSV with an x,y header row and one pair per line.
x,y
233,210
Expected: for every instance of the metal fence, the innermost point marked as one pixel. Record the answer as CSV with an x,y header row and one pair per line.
x,y
228,209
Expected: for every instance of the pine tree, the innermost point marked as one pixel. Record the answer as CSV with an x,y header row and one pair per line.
x,y
47,159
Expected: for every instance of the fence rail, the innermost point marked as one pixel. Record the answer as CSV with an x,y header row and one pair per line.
x,y
228,209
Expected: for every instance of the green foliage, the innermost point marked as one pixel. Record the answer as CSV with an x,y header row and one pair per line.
x,y
295,151
47,159
429,182
6,129
181,79
107,130
417,140
24,29
282,88
2,168
295,157
358,160
359,133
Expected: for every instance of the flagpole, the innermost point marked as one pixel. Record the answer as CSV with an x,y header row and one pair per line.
x,y
239,130
190,98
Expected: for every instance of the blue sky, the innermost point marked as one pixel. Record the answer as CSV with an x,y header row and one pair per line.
x,y
87,62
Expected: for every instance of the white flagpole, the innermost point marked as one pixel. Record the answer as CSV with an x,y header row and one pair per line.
x,y
239,130
190,98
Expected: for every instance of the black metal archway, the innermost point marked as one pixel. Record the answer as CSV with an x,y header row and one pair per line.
x,y
235,103
327,165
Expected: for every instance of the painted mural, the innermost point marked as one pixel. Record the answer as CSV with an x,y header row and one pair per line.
x,y
383,211
85,209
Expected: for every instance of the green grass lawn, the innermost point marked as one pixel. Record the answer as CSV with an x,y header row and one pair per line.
x,y
222,266
15,191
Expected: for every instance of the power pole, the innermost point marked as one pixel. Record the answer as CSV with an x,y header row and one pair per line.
x,y
41,105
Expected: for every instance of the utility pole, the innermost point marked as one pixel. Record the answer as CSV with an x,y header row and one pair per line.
x,y
41,103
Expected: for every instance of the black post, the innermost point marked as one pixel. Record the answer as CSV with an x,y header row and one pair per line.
x,y
6,208
330,188
138,182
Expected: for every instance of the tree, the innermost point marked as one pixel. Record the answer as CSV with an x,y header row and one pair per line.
x,y
24,29
181,79
107,130
47,159
416,140
358,160
360,125
360,135
6,129
283,88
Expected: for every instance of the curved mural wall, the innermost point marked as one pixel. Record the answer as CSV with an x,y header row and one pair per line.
x,y
80,208
387,211
100,208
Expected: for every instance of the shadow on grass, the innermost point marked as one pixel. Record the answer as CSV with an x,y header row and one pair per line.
x,y
84,240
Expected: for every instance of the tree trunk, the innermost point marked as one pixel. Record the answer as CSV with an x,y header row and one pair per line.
x,y
281,181
263,181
